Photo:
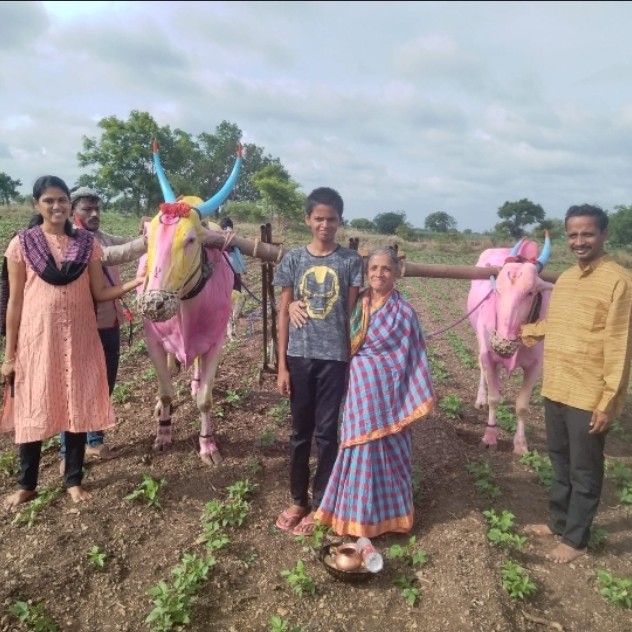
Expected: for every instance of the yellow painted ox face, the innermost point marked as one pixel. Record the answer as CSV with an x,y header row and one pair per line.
x,y
174,259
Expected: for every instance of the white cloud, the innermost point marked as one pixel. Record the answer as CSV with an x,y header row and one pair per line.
x,y
413,106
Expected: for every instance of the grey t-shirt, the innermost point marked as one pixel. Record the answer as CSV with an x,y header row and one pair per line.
x,y
323,284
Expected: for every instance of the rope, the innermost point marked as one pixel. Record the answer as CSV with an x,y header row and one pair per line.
x,y
228,238
251,294
458,322
243,285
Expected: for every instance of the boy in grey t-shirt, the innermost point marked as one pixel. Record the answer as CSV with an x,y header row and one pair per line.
x,y
326,278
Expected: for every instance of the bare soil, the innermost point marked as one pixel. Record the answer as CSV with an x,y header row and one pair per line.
x,y
460,586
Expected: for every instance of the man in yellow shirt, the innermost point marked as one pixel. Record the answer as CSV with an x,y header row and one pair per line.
x,y
587,353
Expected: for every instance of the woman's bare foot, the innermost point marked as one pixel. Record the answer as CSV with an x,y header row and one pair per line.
x,y
563,554
17,498
79,494
538,530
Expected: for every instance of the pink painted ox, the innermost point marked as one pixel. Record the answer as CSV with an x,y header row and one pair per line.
x,y
516,297
185,303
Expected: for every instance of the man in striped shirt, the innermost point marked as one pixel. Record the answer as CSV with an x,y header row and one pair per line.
x,y
587,353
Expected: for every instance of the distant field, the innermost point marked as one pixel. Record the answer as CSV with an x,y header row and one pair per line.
x,y
455,249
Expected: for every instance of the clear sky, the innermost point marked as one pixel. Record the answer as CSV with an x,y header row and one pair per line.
x,y
401,106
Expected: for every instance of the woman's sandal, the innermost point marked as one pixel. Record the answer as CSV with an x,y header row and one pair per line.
x,y
289,520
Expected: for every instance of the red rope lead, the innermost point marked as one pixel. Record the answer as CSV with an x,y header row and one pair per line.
x,y
458,322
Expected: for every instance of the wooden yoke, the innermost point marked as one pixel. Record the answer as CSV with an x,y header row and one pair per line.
x,y
273,252
440,271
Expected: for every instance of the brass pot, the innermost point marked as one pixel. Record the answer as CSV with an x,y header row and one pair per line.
x,y
348,558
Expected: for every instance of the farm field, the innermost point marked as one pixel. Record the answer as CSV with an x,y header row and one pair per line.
x,y
166,535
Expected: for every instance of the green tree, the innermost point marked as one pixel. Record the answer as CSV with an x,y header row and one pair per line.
x,y
362,224
181,157
123,156
8,188
517,216
440,222
245,211
280,194
199,166
554,225
387,223
620,226
406,231
217,159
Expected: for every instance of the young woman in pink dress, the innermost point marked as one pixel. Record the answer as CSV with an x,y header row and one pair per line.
x,y
54,361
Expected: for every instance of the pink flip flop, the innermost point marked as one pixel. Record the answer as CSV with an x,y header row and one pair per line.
x,y
289,520
305,527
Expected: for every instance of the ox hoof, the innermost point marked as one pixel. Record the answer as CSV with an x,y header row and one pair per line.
x,y
207,459
159,446
208,450
211,458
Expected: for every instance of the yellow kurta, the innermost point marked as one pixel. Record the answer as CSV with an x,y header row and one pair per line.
x,y
60,375
587,337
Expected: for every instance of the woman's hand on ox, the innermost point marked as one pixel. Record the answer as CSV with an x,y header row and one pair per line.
x,y
134,283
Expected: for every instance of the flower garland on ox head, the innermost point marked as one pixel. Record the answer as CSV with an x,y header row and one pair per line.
x,y
175,209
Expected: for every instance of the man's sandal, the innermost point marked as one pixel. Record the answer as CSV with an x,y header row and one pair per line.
x,y
288,520
305,527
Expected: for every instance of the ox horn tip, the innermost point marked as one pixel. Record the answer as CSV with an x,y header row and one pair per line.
x,y
240,150
154,145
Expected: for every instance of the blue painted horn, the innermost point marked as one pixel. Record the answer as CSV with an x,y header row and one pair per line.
x,y
546,252
213,203
167,191
222,195
516,249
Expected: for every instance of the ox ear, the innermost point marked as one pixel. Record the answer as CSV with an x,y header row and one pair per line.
x,y
221,196
167,191
546,252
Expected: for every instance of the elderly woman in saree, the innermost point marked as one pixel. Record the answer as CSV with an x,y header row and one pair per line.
x,y
370,490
